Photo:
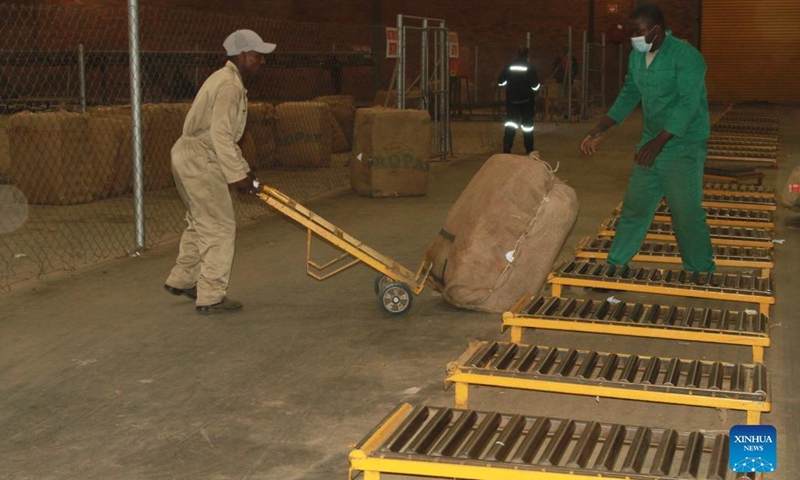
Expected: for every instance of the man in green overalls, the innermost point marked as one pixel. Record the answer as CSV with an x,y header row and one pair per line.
x,y
667,76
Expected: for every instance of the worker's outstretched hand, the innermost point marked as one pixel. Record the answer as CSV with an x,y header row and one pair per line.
x,y
590,141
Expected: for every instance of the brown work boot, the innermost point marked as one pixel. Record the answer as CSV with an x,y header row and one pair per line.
x,y
225,306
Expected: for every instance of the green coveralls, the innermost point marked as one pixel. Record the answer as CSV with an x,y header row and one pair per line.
x,y
673,96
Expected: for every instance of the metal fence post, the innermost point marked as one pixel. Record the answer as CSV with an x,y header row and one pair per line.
x,y
603,77
476,74
424,87
568,76
585,74
446,84
136,121
528,45
82,73
401,65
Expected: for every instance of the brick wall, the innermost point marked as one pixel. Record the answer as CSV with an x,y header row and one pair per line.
x,y
495,28
475,20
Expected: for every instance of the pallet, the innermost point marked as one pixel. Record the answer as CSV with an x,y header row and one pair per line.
x,y
468,444
700,383
730,217
739,201
670,322
720,235
738,190
598,248
716,286
728,138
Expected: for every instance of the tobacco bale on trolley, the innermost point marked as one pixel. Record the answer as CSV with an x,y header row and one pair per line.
x,y
501,237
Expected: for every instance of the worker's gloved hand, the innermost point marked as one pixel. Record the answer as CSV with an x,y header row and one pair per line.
x,y
245,186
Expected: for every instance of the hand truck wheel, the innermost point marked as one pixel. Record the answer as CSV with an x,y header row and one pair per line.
x,y
395,298
380,281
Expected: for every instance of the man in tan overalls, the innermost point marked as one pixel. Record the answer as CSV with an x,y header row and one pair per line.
x,y
205,160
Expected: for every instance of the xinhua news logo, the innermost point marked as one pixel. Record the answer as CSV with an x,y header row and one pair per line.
x,y
753,448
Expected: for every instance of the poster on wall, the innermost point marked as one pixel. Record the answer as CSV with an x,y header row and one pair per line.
x,y
392,42
453,44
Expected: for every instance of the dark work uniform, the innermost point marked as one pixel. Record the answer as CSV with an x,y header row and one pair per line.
x,y
521,82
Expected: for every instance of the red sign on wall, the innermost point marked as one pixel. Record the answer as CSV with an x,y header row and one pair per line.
x,y
392,42
453,38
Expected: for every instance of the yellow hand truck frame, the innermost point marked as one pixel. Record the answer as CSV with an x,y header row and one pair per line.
x,y
394,285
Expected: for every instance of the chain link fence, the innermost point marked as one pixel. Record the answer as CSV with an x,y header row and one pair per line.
x,y
475,94
65,126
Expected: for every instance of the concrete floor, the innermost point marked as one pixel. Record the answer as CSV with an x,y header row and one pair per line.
x,y
104,376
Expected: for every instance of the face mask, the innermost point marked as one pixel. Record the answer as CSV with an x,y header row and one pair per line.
x,y
640,44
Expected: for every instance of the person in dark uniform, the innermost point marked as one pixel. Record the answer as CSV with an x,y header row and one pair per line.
x,y
521,82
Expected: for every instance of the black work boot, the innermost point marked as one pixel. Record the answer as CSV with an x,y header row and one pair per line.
x,y
188,292
225,306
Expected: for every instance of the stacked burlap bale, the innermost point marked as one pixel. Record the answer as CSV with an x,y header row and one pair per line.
x,y
116,121
304,134
162,126
106,139
249,149
501,237
5,150
339,142
394,147
262,126
53,160
790,196
381,99
413,99
343,111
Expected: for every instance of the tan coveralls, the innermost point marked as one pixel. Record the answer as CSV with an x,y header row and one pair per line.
x,y
204,161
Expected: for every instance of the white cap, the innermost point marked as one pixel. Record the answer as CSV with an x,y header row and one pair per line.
x,y
246,41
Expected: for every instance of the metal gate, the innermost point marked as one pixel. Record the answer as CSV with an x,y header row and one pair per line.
x,y
423,75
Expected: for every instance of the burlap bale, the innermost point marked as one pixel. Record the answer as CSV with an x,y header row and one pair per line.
x,y
790,196
5,150
413,99
262,125
163,126
501,237
119,124
52,159
248,147
394,148
304,134
105,139
339,142
114,131
381,100
344,111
